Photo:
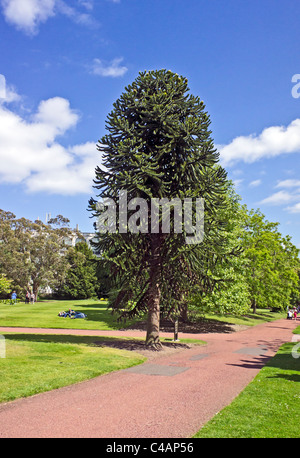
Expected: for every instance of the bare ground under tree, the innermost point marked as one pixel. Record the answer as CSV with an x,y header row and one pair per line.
x,y
201,327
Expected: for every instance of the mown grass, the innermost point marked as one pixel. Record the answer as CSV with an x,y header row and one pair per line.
x,y
249,319
44,314
37,363
269,407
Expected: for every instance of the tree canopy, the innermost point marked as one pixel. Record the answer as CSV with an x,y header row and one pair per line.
x,y
31,252
158,146
80,281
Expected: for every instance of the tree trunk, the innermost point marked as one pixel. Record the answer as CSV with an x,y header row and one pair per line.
x,y
184,313
254,306
35,290
152,338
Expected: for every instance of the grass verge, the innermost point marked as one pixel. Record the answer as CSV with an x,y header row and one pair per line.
x,y
37,363
249,319
269,407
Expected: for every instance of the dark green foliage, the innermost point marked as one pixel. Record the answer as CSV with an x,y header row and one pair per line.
x,y
81,280
158,145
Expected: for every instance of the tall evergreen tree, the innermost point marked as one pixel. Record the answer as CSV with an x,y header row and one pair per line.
x,y
158,145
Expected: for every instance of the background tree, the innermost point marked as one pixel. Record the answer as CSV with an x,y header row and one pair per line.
x,y
228,290
104,280
158,145
271,263
5,285
80,281
31,253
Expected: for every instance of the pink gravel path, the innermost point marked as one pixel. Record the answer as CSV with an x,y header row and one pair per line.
x,y
129,404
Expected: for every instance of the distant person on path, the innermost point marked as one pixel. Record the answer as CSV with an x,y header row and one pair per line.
x,y
27,297
32,298
295,313
14,297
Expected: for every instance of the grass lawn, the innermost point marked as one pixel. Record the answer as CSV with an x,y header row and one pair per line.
x,y
36,363
269,407
250,319
44,314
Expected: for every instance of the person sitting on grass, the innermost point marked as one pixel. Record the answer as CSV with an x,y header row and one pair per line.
x,y
72,314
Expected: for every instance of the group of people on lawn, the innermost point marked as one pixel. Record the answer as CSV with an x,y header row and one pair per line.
x,y
72,314
30,297
292,313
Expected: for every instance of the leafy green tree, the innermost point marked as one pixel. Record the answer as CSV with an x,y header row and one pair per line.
x,y
271,263
81,280
158,145
228,290
31,253
5,285
104,280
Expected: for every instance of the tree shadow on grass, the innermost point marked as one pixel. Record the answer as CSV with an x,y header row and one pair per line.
x,y
204,326
289,377
128,344
99,312
287,365
285,361
139,346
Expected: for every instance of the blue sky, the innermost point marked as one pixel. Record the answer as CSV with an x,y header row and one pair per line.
x,y
63,64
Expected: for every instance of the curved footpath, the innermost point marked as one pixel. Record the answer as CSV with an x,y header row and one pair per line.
x,y
170,396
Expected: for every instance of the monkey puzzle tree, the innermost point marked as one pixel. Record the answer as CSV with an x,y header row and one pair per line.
x,y
158,146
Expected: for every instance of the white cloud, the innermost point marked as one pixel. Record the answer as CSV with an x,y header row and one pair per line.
x,y
255,183
112,68
88,4
238,182
27,15
2,87
272,142
55,113
74,177
30,153
280,198
75,15
294,209
290,183
290,194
